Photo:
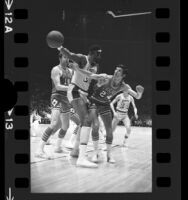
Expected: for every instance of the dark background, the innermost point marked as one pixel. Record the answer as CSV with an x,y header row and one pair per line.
x,y
35,25
124,40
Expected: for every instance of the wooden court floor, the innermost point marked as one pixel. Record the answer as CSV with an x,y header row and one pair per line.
x,y
132,171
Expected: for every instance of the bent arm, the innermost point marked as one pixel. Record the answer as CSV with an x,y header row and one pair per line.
x,y
56,79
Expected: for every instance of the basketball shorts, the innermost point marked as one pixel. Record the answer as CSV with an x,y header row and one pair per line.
x,y
124,118
101,108
74,92
60,102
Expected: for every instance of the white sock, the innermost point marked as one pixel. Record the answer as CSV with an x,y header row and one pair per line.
x,y
42,145
96,146
59,142
72,138
82,151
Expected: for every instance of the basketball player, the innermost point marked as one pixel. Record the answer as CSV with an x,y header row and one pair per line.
x,y
123,101
93,116
60,114
105,90
77,95
34,123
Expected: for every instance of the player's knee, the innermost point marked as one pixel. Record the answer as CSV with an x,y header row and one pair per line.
x,y
54,125
87,121
109,139
77,121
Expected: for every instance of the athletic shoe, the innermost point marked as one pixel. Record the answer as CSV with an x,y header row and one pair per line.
x,y
110,160
69,145
85,163
74,153
95,158
43,155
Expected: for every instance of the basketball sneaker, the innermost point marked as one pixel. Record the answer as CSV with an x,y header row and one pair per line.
x,y
82,162
42,154
110,159
69,145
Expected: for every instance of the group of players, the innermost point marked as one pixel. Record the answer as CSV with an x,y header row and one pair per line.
x,y
77,85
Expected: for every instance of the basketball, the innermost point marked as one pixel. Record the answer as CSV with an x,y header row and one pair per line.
x,y
55,39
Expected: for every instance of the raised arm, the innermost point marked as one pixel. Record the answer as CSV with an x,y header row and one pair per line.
x,y
56,79
138,94
78,58
134,108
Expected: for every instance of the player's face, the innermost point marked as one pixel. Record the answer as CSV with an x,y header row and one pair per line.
x,y
64,60
125,94
96,56
118,75
93,69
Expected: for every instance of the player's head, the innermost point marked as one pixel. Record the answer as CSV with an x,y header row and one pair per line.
x,y
95,53
120,73
94,68
64,61
125,93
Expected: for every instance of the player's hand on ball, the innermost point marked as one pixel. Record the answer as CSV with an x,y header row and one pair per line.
x,y
140,89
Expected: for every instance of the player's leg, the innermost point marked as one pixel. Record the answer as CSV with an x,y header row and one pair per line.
x,y
53,127
81,109
127,124
95,133
106,116
115,122
64,117
75,151
74,118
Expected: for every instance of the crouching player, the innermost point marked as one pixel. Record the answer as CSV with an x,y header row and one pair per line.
x,y
123,101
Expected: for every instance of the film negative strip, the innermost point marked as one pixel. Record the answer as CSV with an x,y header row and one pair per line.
x,y
143,35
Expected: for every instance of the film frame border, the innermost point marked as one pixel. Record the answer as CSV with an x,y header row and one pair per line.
x,y
163,110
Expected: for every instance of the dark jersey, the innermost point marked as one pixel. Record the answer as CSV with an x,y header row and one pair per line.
x,y
92,87
104,93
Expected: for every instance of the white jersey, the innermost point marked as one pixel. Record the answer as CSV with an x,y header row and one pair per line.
x,y
123,103
81,80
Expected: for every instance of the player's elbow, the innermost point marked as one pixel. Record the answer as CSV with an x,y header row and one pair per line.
x,y
138,96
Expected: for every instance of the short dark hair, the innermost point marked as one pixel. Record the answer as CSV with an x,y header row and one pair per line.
x,y
123,67
95,48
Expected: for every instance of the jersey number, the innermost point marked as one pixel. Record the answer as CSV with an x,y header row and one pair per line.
x,y
103,93
54,102
124,105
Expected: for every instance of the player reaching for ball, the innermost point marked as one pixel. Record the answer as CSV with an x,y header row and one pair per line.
x,y
123,101
77,95
107,89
